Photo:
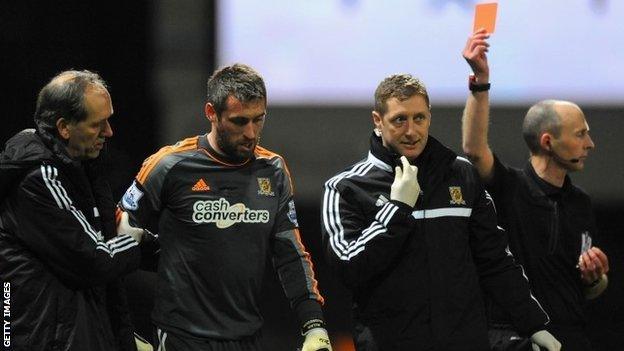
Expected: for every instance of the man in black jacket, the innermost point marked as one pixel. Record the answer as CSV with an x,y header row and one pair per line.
x,y
412,232
549,221
60,255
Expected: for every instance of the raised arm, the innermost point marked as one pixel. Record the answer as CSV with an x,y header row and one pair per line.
x,y
476,113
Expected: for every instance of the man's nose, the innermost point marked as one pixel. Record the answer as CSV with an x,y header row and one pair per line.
x,y
590,144
249,131
412,128
108,130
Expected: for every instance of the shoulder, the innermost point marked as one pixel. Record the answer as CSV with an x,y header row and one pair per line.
x,y
462,167
273,158
163,160
356,175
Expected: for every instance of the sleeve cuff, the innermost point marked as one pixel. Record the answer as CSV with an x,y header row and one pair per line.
x,y
308,310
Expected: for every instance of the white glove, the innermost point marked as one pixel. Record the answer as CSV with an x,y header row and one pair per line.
x,y
546,340
405,187
125,228
142,344
316,339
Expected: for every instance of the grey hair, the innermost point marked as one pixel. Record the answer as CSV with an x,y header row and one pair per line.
x,y
541,118
63,97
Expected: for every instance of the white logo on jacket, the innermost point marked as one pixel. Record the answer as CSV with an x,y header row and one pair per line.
x,y
225,215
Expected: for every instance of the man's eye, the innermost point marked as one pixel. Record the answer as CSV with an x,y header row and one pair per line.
x,y
400,119
239,122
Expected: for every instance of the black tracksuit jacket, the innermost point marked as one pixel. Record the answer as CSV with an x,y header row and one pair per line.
x,y
418,274
59,251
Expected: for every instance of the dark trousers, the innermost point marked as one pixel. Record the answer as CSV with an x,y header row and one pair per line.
x,y
503,339
172,342
571,339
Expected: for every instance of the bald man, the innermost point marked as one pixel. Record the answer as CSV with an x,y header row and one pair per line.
x,y
60,255
549,221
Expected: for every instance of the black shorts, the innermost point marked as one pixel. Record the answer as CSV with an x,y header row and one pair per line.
x,y
172,342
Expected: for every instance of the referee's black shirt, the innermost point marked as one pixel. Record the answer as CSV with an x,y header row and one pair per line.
x,y
547,227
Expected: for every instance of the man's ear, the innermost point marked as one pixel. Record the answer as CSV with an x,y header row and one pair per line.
x,y
546,142
210,112
63,128
377,118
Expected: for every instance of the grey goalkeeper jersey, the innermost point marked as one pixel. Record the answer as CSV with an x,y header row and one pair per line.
x,y
217,223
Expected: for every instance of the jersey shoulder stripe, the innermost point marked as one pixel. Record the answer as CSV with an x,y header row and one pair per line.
x,y
151,162
265,153
277,160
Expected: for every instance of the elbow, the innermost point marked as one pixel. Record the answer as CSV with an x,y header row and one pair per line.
x,y
472,153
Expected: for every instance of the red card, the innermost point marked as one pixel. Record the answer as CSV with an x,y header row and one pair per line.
x,y
485,16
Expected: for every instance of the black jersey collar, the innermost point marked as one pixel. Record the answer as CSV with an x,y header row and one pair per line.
x,y
229,161
540,187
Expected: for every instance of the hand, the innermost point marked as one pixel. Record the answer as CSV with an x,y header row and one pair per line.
x,y
593,263
316,339
546,340
405,187
125,228
142,344
474,53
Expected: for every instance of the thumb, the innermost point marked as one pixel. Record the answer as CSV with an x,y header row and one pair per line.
x,y
535,347
124,217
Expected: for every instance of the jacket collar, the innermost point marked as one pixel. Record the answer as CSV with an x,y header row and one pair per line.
x,y
433,163
539,187
433,155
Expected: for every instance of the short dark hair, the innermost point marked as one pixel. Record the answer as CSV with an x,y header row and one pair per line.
x,y
541,118
401,86
238,80
63,97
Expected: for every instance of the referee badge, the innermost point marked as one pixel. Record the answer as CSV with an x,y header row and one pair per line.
x,y
456,195
264,187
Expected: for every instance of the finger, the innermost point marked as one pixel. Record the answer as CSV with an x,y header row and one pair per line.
x,y
604,260
405,162
475,46
124,216
588,262
581,264
596,262
479,42
480,31
406,167
398,173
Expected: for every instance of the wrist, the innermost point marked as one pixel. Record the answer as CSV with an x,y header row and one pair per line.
x,y
478,83
482,78
312,324
595,282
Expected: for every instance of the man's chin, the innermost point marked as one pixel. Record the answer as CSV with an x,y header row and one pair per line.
x,y
93,154
410,154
